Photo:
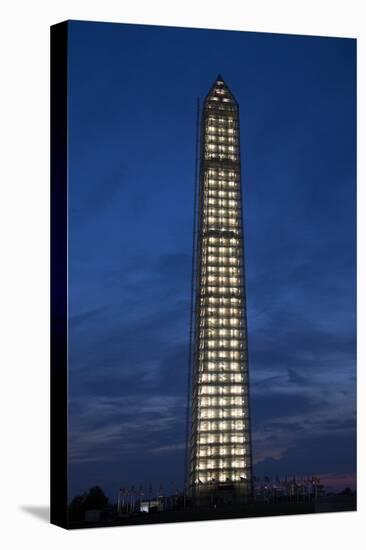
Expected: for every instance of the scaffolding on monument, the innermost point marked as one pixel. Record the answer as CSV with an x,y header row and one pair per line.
x,y
218,420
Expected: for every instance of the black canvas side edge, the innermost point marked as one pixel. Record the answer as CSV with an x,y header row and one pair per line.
x,y
59,477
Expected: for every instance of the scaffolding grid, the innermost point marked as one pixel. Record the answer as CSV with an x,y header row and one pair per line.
x,y
219,434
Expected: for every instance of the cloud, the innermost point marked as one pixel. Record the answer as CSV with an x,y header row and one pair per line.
x,y
114,428
168,448
328,453
269,406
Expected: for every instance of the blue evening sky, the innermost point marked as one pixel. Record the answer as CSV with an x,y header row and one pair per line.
x,y
132,124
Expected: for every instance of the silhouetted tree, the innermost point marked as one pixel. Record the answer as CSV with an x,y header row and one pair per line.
x,y
95,499
77,508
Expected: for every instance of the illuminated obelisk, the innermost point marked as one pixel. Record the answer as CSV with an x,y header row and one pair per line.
x,y
220,465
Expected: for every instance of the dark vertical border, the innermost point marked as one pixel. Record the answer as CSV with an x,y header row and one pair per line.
x,y
356,264
59,514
